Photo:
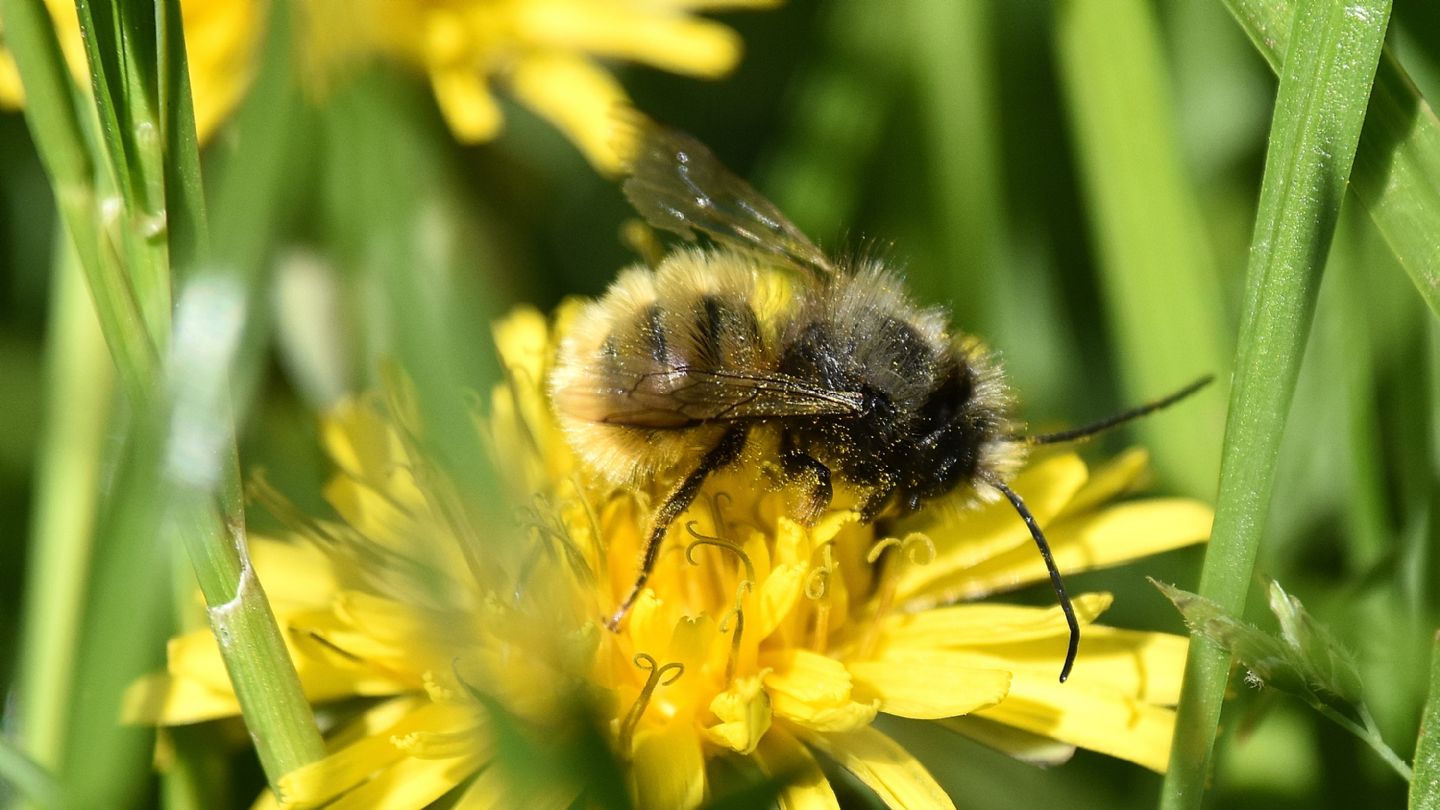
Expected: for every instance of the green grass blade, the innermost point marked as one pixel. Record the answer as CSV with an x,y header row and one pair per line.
x,y
129,273
1397,167
398,219
214,358
78,390
26,777
185,219
954,73
975,269
1160,282
59,136
107,763
1319,112
50,106
100,31
120,47
1425,784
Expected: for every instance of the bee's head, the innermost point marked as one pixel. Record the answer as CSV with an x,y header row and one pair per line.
x,y
961,436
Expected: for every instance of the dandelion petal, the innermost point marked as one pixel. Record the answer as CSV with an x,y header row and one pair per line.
x,y
929,686
885,767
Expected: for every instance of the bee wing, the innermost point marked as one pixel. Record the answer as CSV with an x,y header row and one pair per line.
x,y
678,185
682,397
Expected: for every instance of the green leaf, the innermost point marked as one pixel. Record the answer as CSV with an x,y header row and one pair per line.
x,y
1425,787
1319,112
1269,660
1328,665
1397,166
1305,660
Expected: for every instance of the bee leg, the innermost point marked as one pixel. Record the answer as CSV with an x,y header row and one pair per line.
x,y
797,464
725,451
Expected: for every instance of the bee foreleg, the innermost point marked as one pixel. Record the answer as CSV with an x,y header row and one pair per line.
x,y
725,451
798,464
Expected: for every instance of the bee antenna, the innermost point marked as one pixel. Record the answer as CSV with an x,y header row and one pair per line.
x,y
1055,581
1086,431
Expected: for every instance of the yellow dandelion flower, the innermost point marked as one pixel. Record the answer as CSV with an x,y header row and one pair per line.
x,y
547,53
758,637
221,37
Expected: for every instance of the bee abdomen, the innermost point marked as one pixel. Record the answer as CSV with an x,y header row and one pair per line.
x,y
726,332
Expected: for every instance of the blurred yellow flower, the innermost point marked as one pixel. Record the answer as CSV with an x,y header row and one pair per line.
x,y
221,38
545,52
759,637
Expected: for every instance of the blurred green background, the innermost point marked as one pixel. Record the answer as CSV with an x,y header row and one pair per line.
x,y
1076,180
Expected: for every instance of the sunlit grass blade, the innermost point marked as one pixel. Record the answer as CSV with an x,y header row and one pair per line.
x,y
1319,111
78,388
129,273
1160,280
1397,167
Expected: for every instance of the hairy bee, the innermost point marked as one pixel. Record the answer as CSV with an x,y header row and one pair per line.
x,y
669,373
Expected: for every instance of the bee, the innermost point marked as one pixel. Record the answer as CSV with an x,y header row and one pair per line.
x,y
669,374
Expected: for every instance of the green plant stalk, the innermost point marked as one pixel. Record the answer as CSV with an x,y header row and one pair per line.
x,y
1425,786
1397,166
277,714
1368,734
1156,264
78,386
1319,111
